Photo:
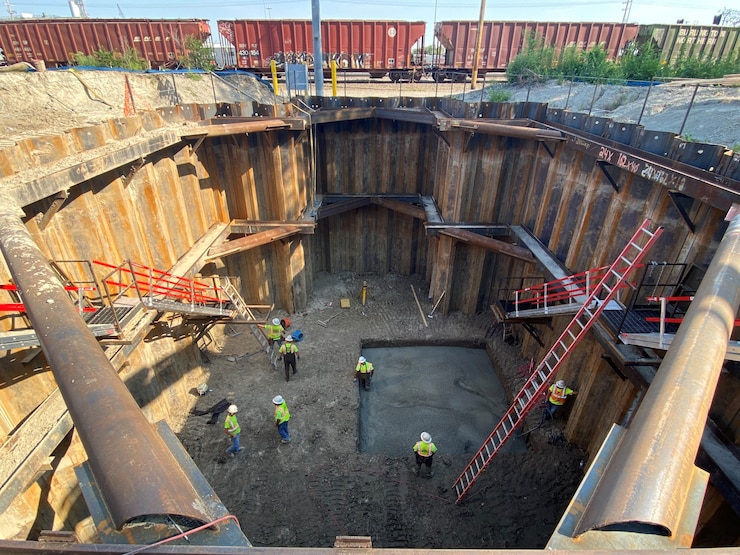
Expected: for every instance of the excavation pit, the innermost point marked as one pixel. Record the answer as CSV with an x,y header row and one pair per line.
x,y
453,393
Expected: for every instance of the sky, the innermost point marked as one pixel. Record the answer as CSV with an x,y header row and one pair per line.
x,y
697,12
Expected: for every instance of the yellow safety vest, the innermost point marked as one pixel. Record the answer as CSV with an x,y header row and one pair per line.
x,y
558,395
273,331
425,449
287,348
281,413
364,367
231,424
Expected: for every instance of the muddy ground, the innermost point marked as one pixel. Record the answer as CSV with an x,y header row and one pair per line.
x,y
319,486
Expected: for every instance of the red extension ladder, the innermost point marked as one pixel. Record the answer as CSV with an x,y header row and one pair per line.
x,y
536,385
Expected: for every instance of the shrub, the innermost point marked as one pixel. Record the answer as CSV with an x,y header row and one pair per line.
x,y
498,95
197,55
534,63
104,58
642,63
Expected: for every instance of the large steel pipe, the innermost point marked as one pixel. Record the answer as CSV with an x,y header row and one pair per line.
x,y
135,471
650,474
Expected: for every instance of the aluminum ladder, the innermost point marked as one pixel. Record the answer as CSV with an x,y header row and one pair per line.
x,y
536,385
241,307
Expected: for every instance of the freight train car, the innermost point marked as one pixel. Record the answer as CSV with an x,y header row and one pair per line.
x,y
377,47
710,42
55,41
503,40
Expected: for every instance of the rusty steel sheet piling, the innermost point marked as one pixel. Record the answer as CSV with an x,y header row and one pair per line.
x,y
135,471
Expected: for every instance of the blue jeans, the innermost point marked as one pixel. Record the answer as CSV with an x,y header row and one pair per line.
x,y
234,447
283,430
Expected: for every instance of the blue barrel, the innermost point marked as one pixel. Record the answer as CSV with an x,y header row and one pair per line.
x,y
297,335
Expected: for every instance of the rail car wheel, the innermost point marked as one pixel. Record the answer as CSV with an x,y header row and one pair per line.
x,y
395,76
377,74
438,76
416,76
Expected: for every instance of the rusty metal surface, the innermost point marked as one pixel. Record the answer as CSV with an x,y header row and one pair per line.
x,y
649,477
134,469
716,190
159,41
503,40
353,44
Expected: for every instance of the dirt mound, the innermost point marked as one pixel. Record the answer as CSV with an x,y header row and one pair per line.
x,y
48,103
712,110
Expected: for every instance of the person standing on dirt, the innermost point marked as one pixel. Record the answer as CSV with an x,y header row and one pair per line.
x,y
558,394
424,451
364,372
289,352
282,416
233,430
275,332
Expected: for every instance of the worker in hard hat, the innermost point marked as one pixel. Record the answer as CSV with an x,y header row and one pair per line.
x,y
289,352
364,372
275,331
232,429
282,416
558,394
424,451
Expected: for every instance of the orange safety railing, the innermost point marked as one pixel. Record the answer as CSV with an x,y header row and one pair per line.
x,y
560,291
20,307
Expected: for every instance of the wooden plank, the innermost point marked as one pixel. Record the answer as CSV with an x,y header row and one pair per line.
x,y
194,258
251,241
353,542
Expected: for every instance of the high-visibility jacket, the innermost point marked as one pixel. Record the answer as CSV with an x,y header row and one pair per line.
x,y
425,449
287,348
559,394
281,413
274,331
231,424
364,367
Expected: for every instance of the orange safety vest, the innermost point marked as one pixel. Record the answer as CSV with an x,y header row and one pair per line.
x,y
558,395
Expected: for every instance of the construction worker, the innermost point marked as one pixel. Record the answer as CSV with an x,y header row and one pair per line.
x,y
232,429
364,372
288,352
282,416
424,451
275,332
558,394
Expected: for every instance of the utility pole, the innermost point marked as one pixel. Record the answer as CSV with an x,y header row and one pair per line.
x,y
478,41
627,10
318,57
9,7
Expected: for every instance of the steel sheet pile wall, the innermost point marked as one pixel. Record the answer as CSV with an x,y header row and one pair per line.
x,y
55,41
692,41
361,45
503,40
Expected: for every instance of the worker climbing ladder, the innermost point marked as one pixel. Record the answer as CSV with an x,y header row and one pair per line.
x,y
536,385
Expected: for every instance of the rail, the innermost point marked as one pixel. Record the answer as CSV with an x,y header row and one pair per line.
x,y
663,319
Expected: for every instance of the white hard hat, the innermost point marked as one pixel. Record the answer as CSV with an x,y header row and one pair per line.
x,y
276,321
232,409
361,360
278,400
425,437
289,338
560,384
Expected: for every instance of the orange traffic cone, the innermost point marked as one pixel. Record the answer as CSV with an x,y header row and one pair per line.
x,y
129,108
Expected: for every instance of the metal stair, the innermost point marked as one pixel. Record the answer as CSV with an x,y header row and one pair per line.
x,y
531,394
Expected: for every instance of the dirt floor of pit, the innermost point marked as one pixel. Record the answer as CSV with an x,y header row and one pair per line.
x,y
319,486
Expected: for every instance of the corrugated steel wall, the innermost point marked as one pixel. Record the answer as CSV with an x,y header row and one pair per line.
x,y
55,41
503,40
353,44
692,41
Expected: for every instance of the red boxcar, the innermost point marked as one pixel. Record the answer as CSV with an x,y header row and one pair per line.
x,y
503,40
55,41
378,47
